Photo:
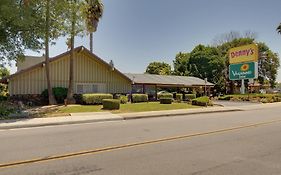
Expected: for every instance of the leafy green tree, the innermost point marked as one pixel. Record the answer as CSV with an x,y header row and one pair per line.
x,y
20,29
159,68
3,87
53,27
207,62
268,65
92,11
268,60
181,64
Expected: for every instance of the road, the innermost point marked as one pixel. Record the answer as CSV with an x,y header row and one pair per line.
x,y
247,142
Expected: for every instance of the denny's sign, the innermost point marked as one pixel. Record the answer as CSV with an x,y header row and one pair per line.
x,y
247,53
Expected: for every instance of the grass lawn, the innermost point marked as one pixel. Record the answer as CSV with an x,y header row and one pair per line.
x,y
126,108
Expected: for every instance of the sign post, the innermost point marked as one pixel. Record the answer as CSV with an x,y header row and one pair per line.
x,y
243,64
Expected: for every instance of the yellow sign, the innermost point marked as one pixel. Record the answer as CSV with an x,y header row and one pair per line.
x,y
247,53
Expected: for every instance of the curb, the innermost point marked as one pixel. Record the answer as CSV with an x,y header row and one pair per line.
x,y
177,114
59,123
121,117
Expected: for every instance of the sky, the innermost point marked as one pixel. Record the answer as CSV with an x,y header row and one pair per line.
x,y
134,33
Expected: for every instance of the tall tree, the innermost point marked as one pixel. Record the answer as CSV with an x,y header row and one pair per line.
x,y
268,60
51,97
268,65
159,68
74,21
92,11
207,62
181,64
19,30
52,12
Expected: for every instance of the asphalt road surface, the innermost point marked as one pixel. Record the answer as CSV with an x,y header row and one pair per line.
x,y
212,144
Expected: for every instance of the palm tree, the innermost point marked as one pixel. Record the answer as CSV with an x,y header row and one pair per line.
x,y
279,29
93,12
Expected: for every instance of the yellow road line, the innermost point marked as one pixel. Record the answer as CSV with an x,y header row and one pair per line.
x,y
130,145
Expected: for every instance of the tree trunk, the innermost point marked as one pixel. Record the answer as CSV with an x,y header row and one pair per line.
x,y
91,42
52,100
70,99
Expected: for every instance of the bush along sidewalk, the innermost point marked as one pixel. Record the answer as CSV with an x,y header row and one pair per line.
x,y
111,104
264,98
202,101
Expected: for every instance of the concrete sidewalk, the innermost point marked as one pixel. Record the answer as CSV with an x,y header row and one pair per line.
x,y
76,118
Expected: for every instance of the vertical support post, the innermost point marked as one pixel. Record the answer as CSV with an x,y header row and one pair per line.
x,y
243,86
156,93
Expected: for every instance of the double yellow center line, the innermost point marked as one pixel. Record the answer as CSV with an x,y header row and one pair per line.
x,y
130,145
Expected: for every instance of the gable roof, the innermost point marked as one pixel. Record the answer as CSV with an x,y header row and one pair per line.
x,y
77,49
165,80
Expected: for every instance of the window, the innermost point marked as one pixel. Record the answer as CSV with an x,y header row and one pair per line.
x,y
84,88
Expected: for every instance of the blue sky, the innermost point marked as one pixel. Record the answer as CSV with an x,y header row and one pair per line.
x,y
134,33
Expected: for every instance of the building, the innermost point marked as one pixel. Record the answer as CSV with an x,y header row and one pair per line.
x,y
150,84
91,75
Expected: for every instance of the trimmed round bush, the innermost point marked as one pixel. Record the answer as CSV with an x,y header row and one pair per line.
x,y
166,100
60,94
165,95
189,97
111,104
202,101
95,99
137,98
179,97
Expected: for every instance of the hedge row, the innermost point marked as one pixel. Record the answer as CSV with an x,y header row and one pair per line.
x,y
95,98
137,98
189,97
111,104
165,95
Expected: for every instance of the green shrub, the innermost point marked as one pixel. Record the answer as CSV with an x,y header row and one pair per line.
x,y
202,101
189,97
123,99
179,97
111,104
165,95
3,97
60,94
95,98
166,100
6,109
136,98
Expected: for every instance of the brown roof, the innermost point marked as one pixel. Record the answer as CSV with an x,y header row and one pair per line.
x,y
77,49
169,80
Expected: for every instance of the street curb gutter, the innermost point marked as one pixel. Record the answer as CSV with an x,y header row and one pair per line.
x,y
59,123
121,117
177,114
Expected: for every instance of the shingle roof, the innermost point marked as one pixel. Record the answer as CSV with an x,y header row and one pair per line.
x,y
186,81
